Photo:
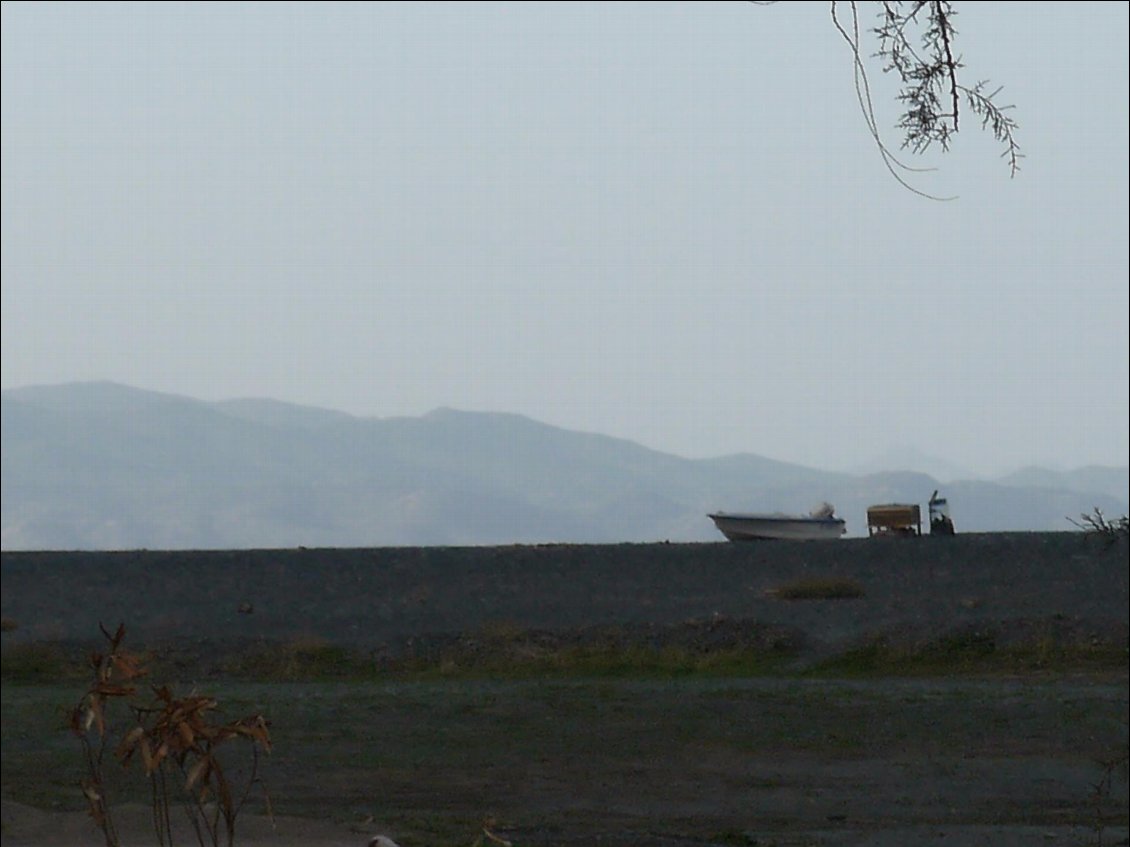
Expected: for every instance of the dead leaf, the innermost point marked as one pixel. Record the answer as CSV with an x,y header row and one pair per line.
x,y
256,728
198,772
129,744
186,734
129,666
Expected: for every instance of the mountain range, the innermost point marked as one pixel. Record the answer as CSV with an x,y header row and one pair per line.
x,y
105,466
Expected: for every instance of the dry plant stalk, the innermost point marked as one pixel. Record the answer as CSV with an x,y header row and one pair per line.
x,y
177,742
488,836
1102,792
1099,525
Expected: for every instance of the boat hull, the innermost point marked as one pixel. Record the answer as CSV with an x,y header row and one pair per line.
x,y
747,527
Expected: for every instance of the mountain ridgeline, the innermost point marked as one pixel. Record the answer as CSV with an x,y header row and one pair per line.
x,y
99,466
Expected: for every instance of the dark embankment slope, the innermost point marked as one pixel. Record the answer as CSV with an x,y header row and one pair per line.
x,y
382,597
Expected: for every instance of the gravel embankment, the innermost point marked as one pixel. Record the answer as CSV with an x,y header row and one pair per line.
x,y
372,597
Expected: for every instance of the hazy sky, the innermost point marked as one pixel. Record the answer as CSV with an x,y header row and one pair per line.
x,y
664,222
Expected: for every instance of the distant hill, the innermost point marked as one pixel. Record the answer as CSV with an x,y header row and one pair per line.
x,y
1111,481
912,459
105,466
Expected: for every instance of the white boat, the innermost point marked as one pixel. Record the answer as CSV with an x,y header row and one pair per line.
x,y
821,523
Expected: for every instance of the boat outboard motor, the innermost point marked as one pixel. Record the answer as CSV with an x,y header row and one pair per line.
x,y
940,521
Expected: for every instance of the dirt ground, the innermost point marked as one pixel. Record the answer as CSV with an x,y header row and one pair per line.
x,y
783,758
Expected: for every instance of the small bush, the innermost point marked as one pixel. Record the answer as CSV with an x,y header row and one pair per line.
x,y
954,653
714,646
974,651
300,660
829,588
38,663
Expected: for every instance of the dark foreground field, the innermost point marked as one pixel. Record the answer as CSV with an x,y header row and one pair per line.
x,y
929,691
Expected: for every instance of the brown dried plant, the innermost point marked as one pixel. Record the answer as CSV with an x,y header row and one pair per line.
x,y
177,741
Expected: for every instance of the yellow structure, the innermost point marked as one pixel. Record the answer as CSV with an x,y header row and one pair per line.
x,y
894,519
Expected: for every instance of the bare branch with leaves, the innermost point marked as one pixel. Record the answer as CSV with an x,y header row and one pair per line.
x,y
917,43
928,73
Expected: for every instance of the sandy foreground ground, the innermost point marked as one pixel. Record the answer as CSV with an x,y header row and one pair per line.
x,y
24,826
27,827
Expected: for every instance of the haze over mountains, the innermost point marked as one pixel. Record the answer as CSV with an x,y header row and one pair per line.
x,y
105,466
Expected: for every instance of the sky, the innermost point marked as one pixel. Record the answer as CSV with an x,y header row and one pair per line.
x,y
662,222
